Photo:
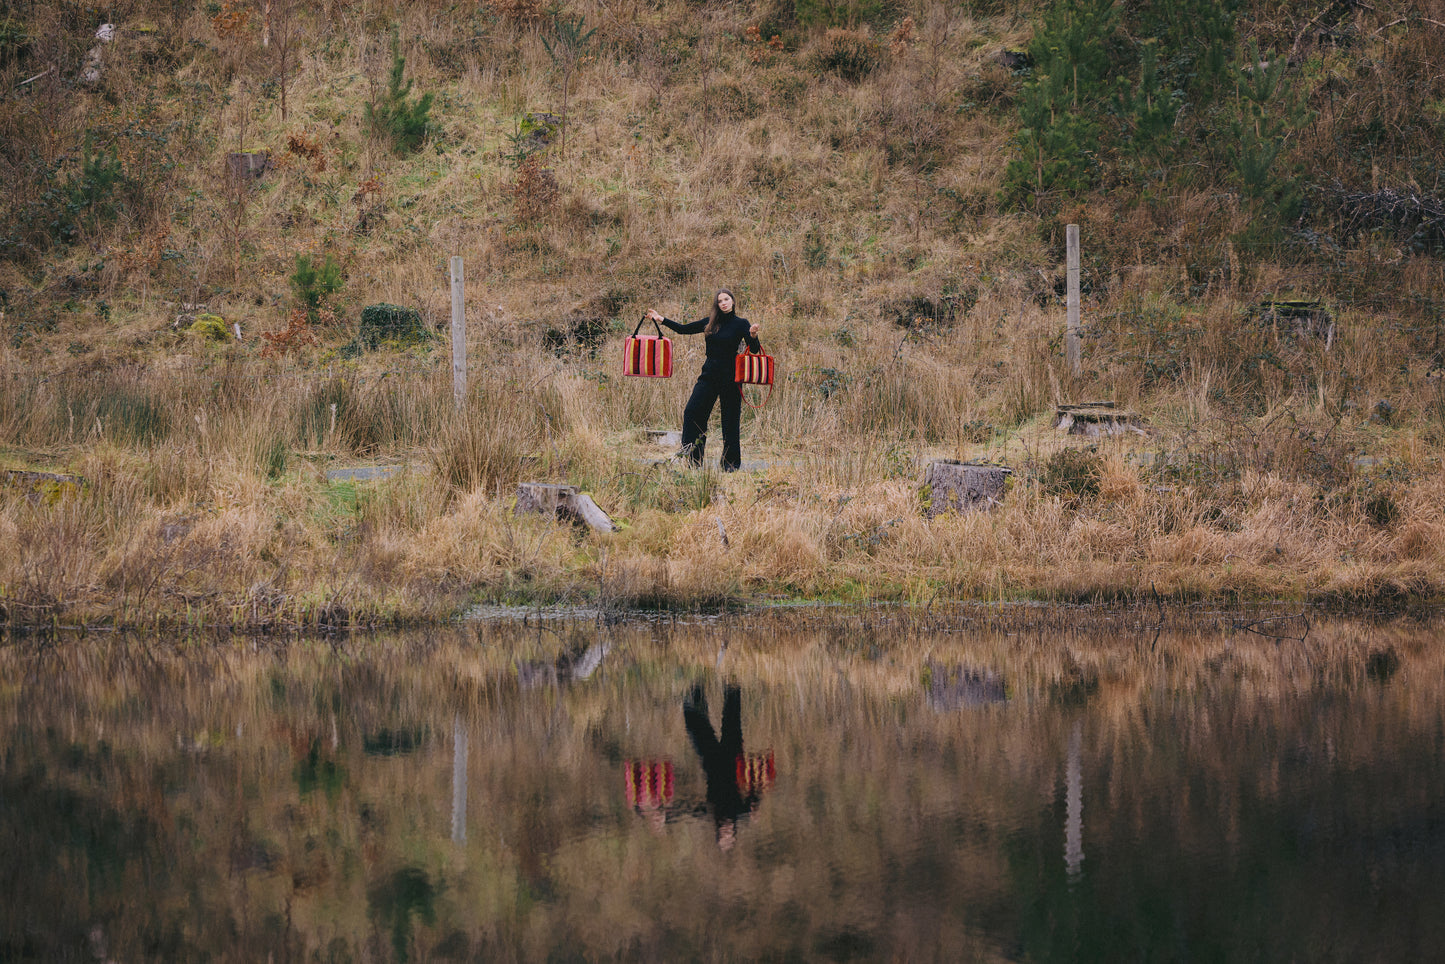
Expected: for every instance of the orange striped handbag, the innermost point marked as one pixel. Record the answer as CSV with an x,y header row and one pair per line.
x,y
647,356
754,368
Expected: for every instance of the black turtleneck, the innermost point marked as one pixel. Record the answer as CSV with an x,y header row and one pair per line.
x,y
722,345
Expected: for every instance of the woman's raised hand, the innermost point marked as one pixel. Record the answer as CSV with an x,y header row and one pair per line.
x,y
753,329
653,315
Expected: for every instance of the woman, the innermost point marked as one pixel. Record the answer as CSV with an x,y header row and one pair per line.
x,y
723,331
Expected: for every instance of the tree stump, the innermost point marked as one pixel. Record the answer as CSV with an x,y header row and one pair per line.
x,y
1095,419
963,487
248,164
563,502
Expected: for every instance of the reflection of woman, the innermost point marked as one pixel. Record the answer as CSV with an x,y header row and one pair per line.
x,y
723,331
731,793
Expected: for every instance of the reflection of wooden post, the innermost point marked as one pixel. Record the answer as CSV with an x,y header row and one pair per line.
x,y
459,336
1074,804
1072,338
459,781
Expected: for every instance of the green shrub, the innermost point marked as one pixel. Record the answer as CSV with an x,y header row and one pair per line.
x,y
838,13
394,325
86,197
14,41
850,54
1072,474
118,406
1059,107
274,456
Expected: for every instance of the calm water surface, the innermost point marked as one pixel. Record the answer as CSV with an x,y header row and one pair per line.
x,y
806,787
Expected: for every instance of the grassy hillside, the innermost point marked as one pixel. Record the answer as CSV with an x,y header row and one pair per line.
x,y
884,186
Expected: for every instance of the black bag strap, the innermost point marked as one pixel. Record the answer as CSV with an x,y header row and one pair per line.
x,y
654,324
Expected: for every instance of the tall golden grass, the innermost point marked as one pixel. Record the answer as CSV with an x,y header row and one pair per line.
x,y
205,499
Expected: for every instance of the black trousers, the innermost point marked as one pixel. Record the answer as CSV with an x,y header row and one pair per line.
x,y
695,417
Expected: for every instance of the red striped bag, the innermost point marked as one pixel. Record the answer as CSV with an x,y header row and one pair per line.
x,y
647,356
754,368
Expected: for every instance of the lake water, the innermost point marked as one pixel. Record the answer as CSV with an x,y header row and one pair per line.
x,y
810,785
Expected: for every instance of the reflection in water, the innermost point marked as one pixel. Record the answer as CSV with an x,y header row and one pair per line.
x,y
293,801
396,899
459,781
649,790
735,783
1074,804
575,663
962,686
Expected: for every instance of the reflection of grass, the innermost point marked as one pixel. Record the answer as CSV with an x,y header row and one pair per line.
x,y
838,694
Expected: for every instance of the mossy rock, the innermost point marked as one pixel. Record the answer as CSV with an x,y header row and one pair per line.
x,y
47,488
210,327
391,326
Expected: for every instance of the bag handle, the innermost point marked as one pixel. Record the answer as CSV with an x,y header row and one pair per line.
x,y
749,402
654,324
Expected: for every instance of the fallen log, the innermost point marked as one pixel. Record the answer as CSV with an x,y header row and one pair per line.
x,y
564,502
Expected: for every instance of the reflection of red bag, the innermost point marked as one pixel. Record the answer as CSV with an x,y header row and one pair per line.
x,y
756,772
647,356
649,783
754,368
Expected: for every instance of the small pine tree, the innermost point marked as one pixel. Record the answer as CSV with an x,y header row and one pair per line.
x,y
569,39
315,284
1059,140
1148,111
406,124
1268,114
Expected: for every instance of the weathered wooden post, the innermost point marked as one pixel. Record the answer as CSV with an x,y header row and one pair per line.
x,y
459,335
1071,340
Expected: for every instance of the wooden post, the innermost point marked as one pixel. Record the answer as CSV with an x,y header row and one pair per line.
x,y
459,336
1071,341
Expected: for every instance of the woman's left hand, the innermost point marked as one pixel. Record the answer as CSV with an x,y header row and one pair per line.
x,y
753,329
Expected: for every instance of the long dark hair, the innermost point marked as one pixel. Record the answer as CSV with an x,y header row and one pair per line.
x,y
715,320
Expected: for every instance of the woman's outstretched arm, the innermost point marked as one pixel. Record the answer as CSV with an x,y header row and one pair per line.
x,y
692,328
